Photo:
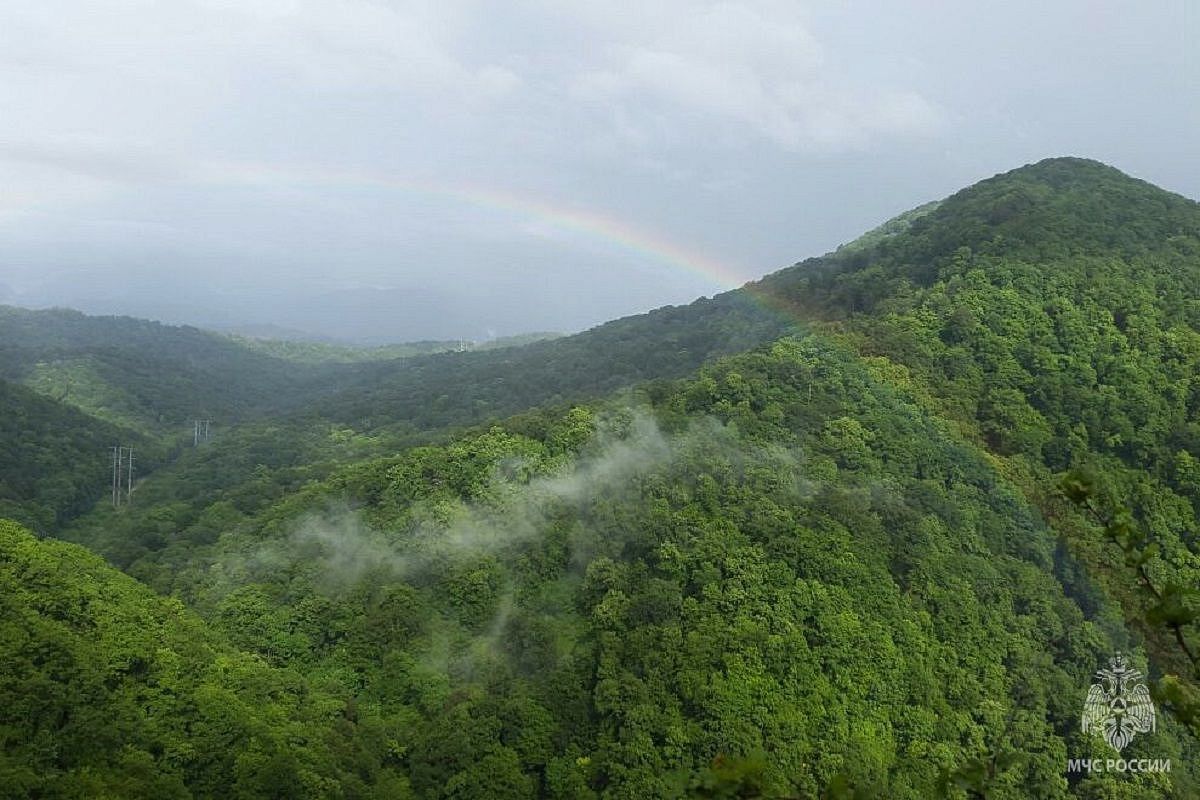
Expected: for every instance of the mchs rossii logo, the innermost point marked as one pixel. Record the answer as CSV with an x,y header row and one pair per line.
x,y
1118,707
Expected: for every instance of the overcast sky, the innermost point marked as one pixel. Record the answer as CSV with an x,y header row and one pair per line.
x,y
398,170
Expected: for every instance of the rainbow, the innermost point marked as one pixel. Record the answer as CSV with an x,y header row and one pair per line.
x,y
609,230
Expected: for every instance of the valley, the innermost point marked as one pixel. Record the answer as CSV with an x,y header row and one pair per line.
x,y
864,527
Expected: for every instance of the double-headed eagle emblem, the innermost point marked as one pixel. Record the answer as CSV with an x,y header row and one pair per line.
x,y
1118,706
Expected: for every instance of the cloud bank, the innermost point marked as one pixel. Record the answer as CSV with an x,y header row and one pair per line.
x,y
754,132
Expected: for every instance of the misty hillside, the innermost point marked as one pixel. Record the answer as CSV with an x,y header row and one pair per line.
x,y
466,388
864,528
146,375
152,380
317,352
784,539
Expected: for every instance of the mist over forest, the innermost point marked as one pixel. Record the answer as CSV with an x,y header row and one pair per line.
x,y
409,400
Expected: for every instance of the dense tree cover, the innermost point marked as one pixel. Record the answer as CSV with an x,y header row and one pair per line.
x,y
785,560
110,691
54,461
838,563
1094,363
1045,213
1056,312
469,388
155,377
214,488
1173,606
160,377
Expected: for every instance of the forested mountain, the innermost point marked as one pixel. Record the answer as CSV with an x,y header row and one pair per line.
x,y
465,388
1054,312
146,375
866,528
159,377
784,559
151,380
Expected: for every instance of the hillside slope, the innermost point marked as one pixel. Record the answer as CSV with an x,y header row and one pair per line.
x,y
274,414
55,461
455,389
155,379
785,561
145,375
837,559
107,690
1054,311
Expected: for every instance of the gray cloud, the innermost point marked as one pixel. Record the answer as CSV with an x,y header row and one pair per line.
x,y
246,159
758,67
90,162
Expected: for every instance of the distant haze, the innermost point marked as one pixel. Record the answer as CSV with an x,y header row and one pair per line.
x,y
384,171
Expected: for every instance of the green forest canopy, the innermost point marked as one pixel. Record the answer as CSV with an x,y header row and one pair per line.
x,y
833,561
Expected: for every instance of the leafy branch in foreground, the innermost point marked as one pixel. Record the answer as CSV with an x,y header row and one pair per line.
x,y
1171,605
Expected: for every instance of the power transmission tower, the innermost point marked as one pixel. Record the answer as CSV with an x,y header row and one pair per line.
x,y
199,431
116,475
122,472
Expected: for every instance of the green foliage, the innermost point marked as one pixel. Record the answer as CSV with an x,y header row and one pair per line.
x,y
776,585
453,389
55,460
1173,606
152,377
832,565
107,690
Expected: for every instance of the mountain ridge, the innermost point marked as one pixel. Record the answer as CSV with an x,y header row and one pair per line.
x,y
829,537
